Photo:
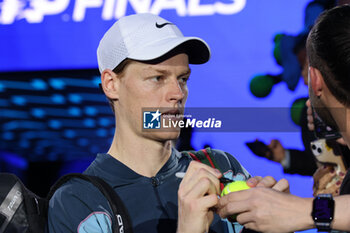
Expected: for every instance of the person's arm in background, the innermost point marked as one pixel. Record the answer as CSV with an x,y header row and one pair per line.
x,y
293,161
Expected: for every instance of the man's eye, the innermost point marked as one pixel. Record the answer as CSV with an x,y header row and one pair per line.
x,y
184,79
156,78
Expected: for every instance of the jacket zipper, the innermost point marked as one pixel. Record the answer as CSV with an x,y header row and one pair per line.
x,y
155,183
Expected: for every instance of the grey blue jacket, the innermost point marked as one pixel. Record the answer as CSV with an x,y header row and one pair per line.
x,y
151,202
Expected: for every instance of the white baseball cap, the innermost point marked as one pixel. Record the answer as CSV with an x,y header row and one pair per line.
x,y
145,37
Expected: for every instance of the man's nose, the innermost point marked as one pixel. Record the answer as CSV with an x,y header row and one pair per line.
x,y
176,91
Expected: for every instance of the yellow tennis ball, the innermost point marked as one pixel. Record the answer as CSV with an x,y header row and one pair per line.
x,y
234,187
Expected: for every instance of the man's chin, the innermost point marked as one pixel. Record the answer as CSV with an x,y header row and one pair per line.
x,y
164,135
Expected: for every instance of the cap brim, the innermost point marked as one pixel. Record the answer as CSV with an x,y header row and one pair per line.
x,y
197,50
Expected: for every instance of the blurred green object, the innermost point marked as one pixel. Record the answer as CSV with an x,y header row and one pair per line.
x,y
261,85
297,109
277,48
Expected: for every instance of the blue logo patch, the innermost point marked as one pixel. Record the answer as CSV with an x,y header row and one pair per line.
x,y
151,120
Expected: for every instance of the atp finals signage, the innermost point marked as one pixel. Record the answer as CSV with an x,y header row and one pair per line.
x,y
34,11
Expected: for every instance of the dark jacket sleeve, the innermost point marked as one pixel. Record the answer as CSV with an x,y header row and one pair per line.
x,y
301,163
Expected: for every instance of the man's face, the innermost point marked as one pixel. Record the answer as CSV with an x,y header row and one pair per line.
x,y
320,107
162,85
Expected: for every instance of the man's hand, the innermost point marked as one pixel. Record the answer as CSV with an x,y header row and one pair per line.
x,y
267,210
322,177
277,149
269,182
310,117
197,195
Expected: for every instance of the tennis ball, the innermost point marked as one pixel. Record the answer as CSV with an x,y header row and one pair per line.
x,y
234,187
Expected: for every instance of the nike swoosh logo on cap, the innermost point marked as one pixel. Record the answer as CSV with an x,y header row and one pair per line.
x,y
161,25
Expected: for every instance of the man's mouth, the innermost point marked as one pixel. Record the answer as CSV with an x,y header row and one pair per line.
x,y
173,114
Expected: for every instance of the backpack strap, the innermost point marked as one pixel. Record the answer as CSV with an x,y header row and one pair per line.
x,y
204,156
122,220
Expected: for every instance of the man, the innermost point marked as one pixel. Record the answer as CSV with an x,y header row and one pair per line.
x,y
144,62
266,210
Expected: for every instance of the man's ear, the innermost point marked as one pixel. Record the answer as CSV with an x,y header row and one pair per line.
x,y
316,81
110,83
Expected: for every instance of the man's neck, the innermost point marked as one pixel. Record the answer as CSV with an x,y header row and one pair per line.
x,y
343,122
144,156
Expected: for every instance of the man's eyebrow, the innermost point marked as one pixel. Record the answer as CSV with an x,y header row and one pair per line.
x,y
165,71
188,72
